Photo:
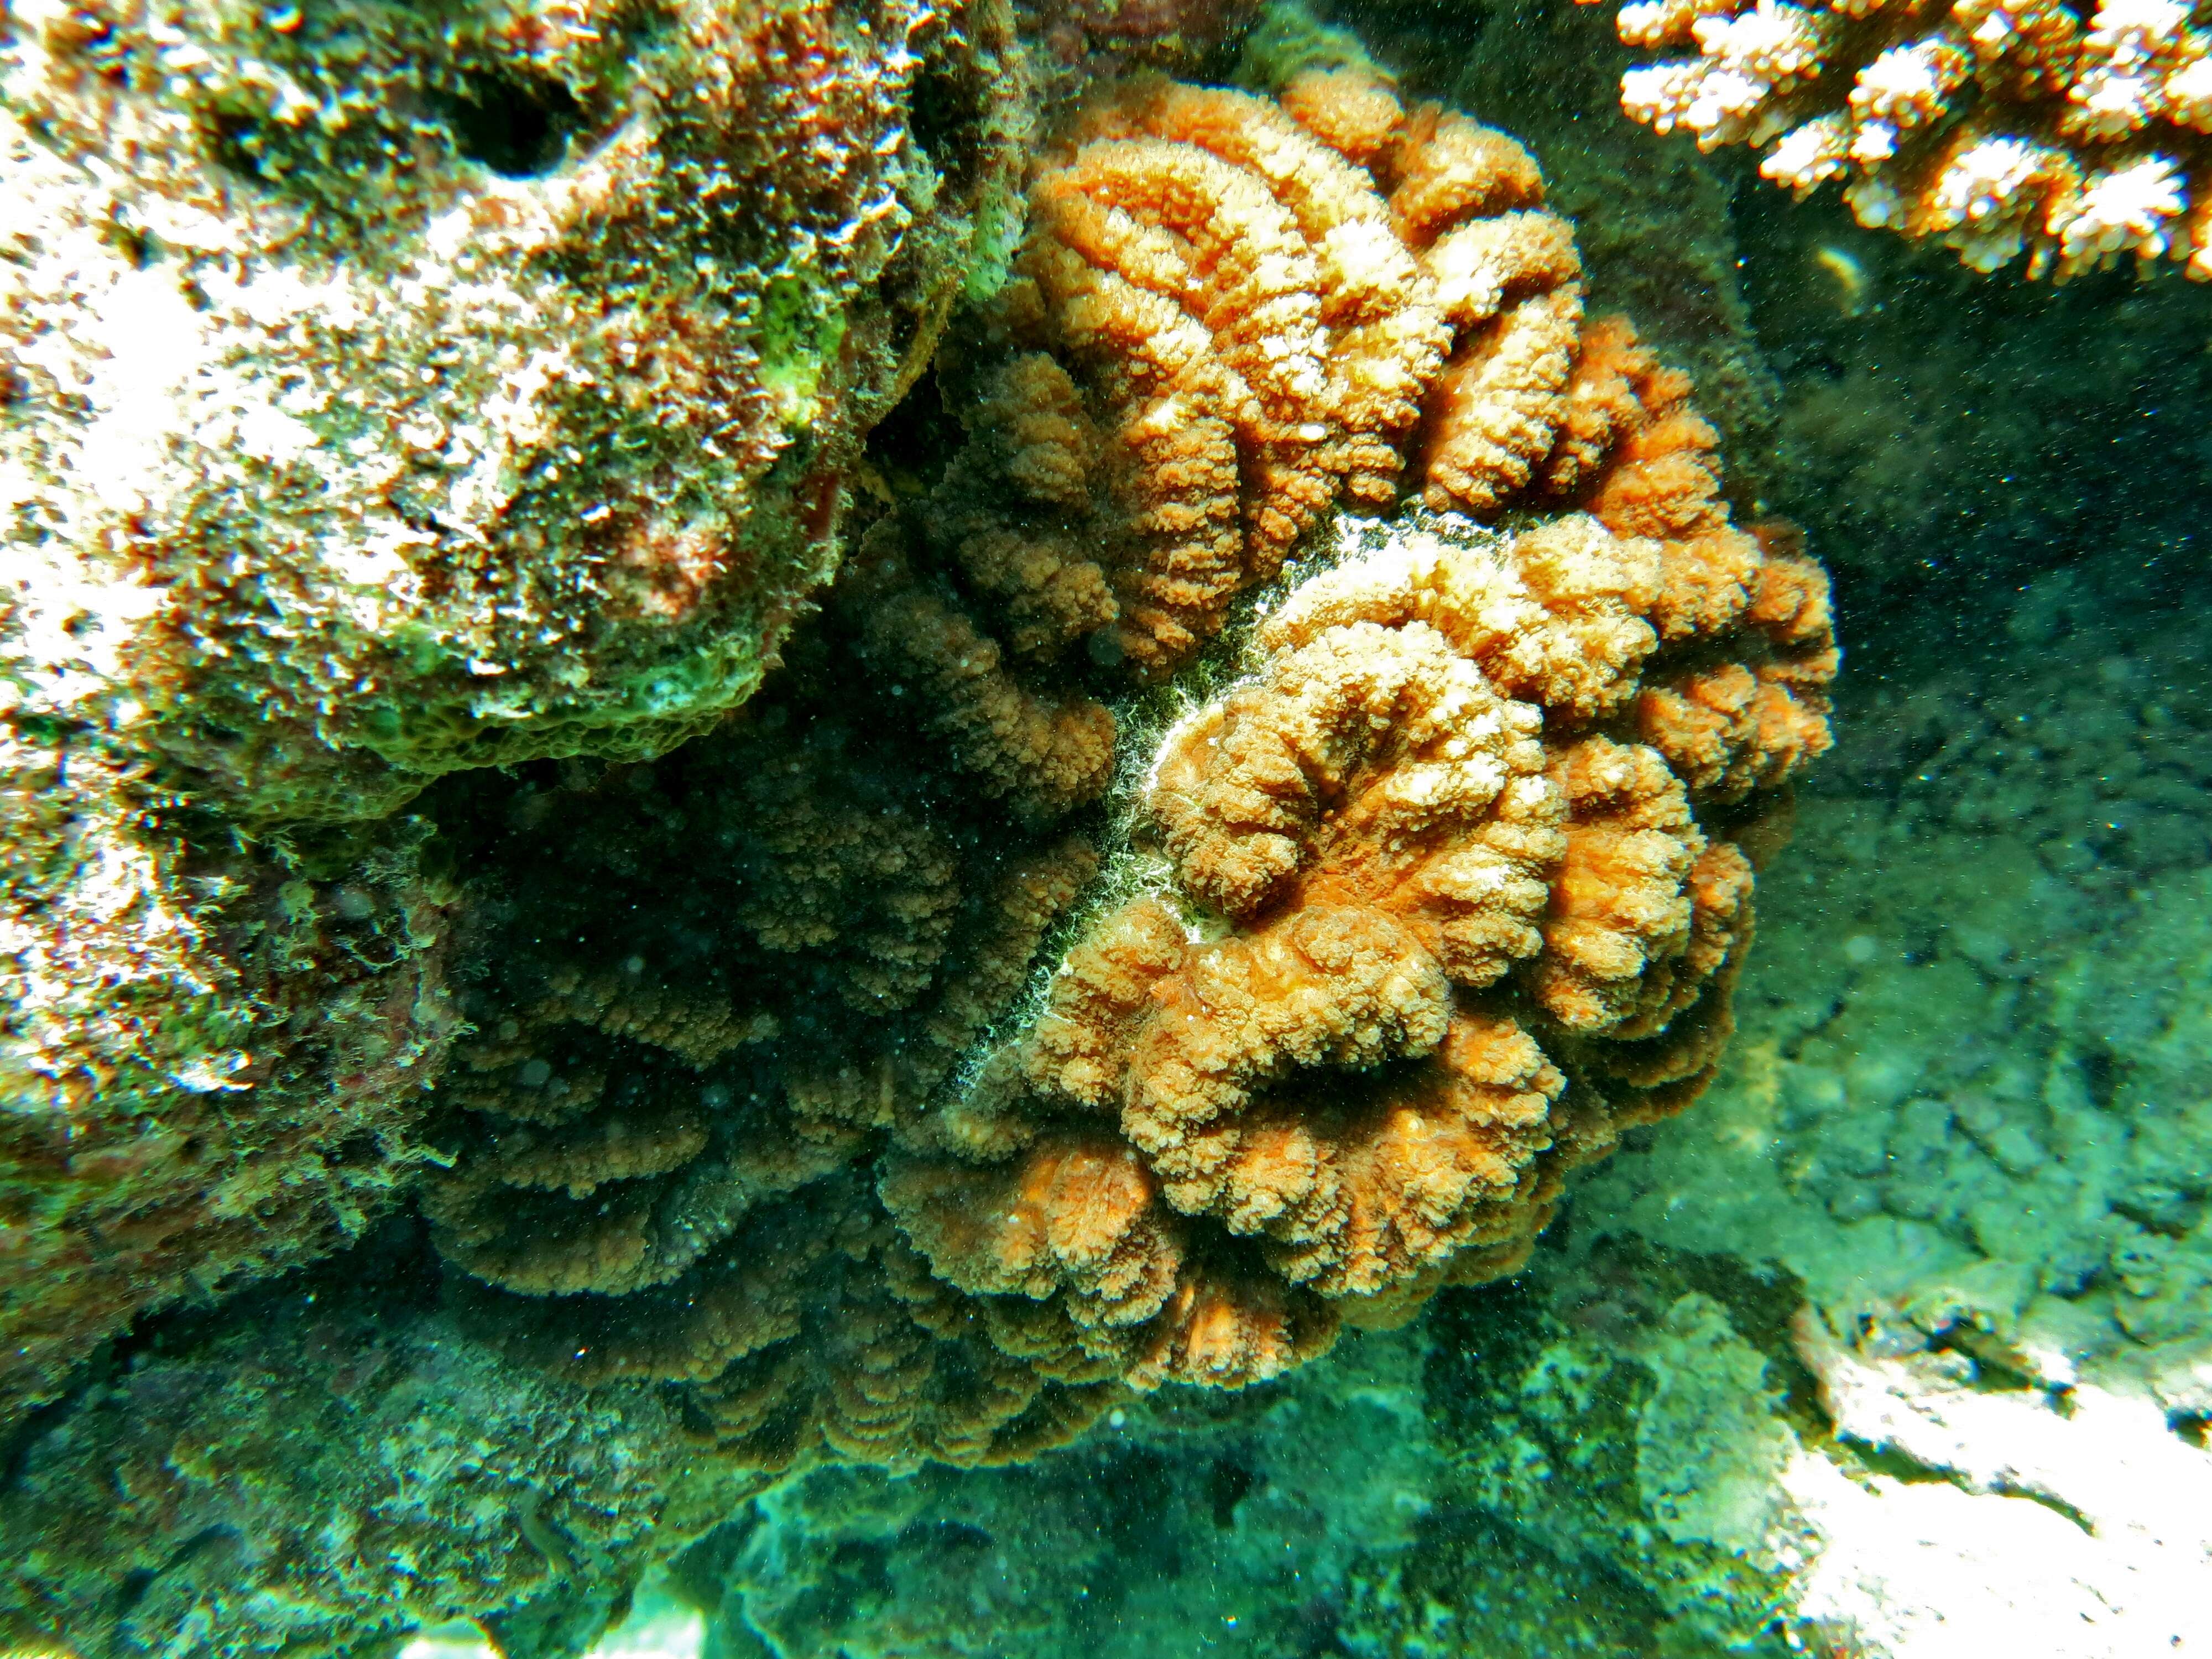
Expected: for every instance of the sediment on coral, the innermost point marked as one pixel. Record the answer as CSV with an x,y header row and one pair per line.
x,y
1997,129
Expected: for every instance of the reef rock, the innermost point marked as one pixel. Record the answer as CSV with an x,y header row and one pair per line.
x,y
382,395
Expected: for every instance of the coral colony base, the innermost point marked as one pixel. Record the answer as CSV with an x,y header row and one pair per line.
x,y
1896,1345
1147,922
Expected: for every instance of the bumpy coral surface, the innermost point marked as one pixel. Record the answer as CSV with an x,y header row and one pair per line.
x,y
658,1136
423,392
775,1133
1231,316
320,1473
1423,946
1996,126
1464,828
213,1056
1449,891
214,1047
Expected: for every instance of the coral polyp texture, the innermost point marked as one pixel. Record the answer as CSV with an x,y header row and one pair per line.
x,y
1419,947
2077,136
659,1137
1230,317
1265,799
1440,893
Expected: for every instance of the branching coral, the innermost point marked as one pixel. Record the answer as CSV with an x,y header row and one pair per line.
x,y
1997,126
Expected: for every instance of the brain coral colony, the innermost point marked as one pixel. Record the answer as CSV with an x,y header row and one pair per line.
x,y
1424,907
1996,126
1147,920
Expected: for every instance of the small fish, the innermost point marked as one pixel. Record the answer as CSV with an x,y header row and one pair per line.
x,y
1851,279
545,1538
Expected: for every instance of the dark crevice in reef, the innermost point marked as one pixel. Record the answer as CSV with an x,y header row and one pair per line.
x,y
2011,471
949,106
234,141
20,1440
393,1255
519,126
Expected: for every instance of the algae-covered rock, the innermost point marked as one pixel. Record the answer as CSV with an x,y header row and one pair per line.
x,y
214,1048
329,1469
388,390
1187,1523
420,389
1613,1413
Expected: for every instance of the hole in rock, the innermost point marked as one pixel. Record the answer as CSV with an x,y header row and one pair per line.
x,y
519,126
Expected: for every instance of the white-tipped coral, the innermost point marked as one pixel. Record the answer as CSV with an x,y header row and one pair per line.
x,y
1999,126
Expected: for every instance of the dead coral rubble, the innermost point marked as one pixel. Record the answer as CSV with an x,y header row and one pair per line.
x,y
1995,125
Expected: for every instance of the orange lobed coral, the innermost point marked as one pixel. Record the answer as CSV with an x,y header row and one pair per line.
x,y
1450,886
1996,125
1453,897
710,992
1231,316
